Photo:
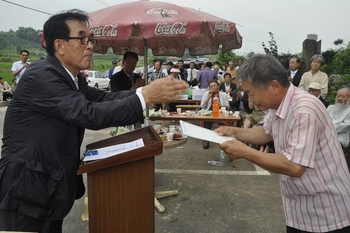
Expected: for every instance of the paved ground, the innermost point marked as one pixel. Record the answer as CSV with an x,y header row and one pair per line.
x,y
244,199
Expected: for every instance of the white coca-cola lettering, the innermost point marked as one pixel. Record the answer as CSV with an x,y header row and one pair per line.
x,y
202,50
108,30
196,37
177,28
166,51
162,12
222,27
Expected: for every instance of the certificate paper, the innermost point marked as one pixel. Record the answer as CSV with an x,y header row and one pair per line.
x,y
109,151
195,131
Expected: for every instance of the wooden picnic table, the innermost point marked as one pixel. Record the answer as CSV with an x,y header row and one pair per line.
x,y
178,117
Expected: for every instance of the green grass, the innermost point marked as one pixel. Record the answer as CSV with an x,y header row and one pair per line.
x,y
101,63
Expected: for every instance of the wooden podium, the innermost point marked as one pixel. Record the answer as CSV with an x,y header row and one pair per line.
x,y
121,187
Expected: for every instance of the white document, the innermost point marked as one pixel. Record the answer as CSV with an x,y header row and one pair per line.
x,y
195,131
109,151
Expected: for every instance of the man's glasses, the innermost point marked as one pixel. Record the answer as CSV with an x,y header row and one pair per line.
x,y
83,39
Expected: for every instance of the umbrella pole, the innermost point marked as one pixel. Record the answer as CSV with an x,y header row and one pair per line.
x,y
145,71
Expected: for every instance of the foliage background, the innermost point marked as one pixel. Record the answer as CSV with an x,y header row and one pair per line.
x,y
337,60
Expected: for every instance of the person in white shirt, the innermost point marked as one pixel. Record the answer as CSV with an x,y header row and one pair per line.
x,y
239,63
19,67
207,101
340,115
192,73
314,176
118,67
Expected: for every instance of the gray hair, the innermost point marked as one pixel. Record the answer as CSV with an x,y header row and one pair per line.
x,y
346,88
318,57
260,70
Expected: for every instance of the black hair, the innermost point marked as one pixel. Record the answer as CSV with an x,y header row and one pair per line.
x,y
56,26
24,50
130,54
213,81
227,74
208,64
297,58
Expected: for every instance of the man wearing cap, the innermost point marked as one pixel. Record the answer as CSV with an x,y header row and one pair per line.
x,y
175,73
315,89
110,73
340,115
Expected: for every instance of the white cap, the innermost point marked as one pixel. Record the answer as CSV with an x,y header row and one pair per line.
x,y
174,70
315,86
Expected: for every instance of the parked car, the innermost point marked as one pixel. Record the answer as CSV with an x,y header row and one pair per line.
x,y
106,73
98,80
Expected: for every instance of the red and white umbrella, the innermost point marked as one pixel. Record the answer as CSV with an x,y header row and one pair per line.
x,y
167,29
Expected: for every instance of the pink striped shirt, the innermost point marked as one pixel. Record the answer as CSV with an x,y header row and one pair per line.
x,y
318,201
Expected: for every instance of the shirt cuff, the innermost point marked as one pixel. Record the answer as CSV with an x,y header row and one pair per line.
x,y
142,100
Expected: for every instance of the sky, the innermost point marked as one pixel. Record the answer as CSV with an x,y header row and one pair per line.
x,y
289,20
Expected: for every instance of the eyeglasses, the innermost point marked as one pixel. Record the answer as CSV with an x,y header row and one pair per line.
x,y
83,39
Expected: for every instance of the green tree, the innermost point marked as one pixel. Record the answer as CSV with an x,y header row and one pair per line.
x,y
272,49
28,33
338,68
224,58
3,43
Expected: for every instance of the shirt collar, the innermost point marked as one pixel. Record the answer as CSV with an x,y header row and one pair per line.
x,y
70,74
284,107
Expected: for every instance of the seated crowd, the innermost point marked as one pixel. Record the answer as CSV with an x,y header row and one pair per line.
x,y
223,84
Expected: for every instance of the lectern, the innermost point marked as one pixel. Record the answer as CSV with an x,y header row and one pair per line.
x,y
121,187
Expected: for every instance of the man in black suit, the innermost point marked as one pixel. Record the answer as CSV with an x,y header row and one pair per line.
x,y
126,79
44,127
315,89
183,72
294,74
240,102
227,86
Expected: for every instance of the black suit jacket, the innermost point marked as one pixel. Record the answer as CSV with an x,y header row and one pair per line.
x,y
233,87
121,81
236,102
43,132
296,78
325,103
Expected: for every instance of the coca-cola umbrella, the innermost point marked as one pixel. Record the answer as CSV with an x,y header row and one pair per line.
x,y
167,29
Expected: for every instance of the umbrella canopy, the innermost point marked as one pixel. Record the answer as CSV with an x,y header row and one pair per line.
x,y
165,28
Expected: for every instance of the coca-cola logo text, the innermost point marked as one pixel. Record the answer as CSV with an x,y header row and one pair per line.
x,y
162,13
177,28
166,51
202,50
108,30
222,27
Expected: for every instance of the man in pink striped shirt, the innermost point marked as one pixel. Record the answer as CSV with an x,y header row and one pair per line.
x,y
314,176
